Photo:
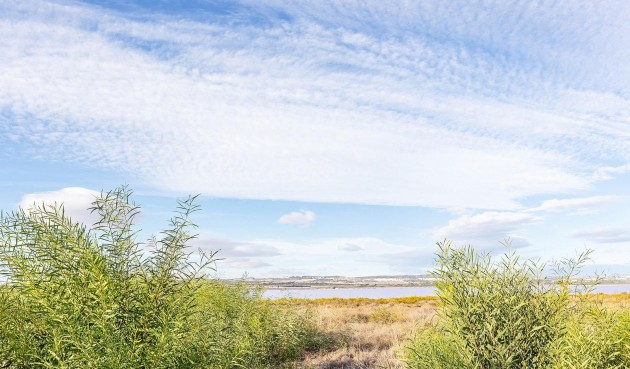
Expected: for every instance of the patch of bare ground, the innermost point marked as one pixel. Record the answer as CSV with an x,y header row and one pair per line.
x,y
369,334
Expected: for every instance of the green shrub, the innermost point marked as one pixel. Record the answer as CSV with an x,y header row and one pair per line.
x,y
506,315
595,339
250,332
434,349
78,297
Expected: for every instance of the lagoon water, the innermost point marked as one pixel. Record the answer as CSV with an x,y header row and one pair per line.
x,y
373,293
387,292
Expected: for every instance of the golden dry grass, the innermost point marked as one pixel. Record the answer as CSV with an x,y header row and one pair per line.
x,y
615,301
372,332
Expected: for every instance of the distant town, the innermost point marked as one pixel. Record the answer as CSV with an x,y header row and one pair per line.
x,y
371,281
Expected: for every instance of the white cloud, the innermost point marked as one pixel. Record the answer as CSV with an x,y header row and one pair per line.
x,y
350,247
327,256
233,249
490,228
605,173
244,264
76,202
458,211
376,256
301,218
487,227
234,257
324,108
576,204
604,235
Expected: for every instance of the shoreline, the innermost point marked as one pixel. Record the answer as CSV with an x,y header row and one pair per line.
x,y
342,287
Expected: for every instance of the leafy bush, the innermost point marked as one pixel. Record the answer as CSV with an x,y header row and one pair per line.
x,y
435,349
595,339
249,332
506,315
78,297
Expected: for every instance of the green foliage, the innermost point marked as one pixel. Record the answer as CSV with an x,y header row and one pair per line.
x,y
434,349
96,298
506,315
249,332
505,312
596,338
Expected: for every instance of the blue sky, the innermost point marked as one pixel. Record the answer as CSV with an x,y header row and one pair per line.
x,y
329,138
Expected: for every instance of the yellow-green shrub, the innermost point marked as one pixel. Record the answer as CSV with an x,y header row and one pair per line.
x,y
506,314
435,349
78,297
595,339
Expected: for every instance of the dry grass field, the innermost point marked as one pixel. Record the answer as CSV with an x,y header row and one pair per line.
x,y
369,333
372,333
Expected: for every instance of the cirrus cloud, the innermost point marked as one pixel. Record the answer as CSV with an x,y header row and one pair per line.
x,y
316,106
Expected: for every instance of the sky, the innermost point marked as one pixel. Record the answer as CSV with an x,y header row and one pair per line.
x,y
329,137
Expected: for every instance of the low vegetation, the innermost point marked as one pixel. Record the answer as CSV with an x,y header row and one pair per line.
x,y
505,314
368,333
94,297
363,342
77,297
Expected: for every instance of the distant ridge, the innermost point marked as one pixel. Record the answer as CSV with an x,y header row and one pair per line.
x,y
335,281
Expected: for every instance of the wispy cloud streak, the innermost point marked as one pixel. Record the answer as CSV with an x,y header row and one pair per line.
x,y
314,102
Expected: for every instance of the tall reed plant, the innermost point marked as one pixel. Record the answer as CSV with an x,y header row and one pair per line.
x,y
95,297
510,314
